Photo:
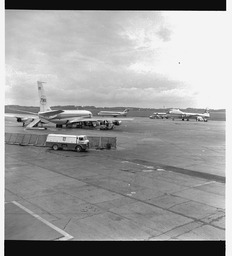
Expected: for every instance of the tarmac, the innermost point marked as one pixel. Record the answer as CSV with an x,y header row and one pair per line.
x,y
165,181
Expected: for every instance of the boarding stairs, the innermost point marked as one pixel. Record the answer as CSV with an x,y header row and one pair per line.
x,y
33,123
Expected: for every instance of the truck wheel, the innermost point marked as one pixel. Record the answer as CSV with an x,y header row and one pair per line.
x,y
55,147
78,148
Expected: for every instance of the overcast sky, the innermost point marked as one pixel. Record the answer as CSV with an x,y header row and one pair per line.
x,y
117,58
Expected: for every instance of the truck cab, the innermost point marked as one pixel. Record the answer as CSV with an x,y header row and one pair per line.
x,y
67,142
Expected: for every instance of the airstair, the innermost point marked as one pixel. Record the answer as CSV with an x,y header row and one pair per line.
x,y
34,123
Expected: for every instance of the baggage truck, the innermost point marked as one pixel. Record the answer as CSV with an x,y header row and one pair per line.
x,y
67,142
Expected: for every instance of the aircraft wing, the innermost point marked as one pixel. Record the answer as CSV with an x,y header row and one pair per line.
x,y
50,113
96,119
24,111
23,118
111,118
19,116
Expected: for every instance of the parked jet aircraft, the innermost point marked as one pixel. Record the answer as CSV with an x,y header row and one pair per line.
x,y
68,118
113,113
157,115
59,117
177,113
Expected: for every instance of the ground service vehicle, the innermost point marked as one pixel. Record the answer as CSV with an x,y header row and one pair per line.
x,y
67,142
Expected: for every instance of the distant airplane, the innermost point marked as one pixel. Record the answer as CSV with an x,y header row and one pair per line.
x,y
177,113
157,115
80,118
113,113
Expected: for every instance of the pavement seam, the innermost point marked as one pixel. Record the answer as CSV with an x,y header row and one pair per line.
x,y
193,173
139,200
216,219
179,203
20,197
189,231
36,206
126,195
133,221
176,228
169,209
93,184
67,223
66,236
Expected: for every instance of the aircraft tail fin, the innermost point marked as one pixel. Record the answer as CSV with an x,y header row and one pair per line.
x,y
42,97
206,110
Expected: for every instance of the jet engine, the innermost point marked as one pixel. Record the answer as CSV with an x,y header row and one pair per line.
x,y
19,119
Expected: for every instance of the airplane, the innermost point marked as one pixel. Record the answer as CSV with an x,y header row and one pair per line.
x,y
80,118
59,117
113,113
177,113
46,114
157,115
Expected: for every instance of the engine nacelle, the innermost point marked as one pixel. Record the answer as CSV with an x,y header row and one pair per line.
x,y
24,119
19,119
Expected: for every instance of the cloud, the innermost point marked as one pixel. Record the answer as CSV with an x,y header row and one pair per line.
x,y
165,34
108,58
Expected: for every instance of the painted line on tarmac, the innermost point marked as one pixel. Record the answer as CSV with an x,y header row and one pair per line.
x,y
65,237
206,183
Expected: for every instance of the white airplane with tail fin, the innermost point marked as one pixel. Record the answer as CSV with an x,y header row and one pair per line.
x,y
157,115
69,118
177,113
59,117
113,113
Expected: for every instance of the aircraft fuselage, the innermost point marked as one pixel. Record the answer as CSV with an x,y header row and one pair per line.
x,y
111,113
177,113
67,115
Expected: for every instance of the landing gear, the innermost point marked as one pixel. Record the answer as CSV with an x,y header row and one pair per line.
x,y
69,126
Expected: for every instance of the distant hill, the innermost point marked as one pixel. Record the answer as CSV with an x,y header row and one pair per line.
x,y
215,114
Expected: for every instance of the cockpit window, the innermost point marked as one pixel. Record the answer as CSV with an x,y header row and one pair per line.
x,y
81,138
